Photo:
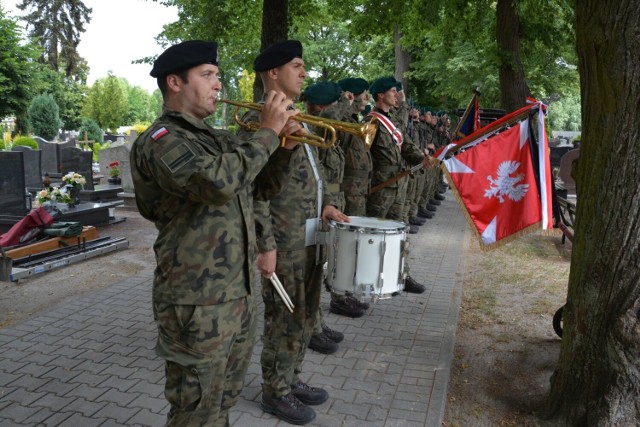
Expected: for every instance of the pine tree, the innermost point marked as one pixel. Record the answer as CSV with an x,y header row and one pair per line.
x,y
57,25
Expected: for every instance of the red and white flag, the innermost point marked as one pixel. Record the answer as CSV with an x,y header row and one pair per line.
x,y
497,183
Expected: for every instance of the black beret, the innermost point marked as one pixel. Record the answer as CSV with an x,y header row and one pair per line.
x,y
355,85
322,93
183,56
398,85
382,85
278,54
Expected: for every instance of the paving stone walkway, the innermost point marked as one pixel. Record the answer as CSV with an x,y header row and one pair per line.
x,y
90,362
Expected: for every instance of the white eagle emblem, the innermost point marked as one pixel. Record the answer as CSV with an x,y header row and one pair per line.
x,y
505,185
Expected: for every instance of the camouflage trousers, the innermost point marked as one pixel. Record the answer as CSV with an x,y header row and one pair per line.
x,y
389,202
412,188
207,350
355,194
287,335
389,205
421,179
432,182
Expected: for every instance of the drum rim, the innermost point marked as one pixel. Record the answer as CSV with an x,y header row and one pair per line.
x,y
399,226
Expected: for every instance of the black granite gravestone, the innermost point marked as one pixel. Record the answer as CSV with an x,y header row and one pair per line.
x,y
51,154
32,160
12,188
79,161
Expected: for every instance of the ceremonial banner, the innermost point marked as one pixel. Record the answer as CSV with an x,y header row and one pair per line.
x,y
470,120
503,182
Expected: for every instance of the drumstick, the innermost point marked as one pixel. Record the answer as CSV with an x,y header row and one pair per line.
x,y
282,292
287,299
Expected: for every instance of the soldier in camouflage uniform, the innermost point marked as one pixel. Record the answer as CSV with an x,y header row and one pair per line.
x,y
281,226
419,130
358,164
194,182
428,202
401,114
326,100
387,153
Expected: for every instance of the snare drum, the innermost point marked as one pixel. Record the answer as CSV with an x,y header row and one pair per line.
x,y
365,257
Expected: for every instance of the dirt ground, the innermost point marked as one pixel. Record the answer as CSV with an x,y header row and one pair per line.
x,y
505,349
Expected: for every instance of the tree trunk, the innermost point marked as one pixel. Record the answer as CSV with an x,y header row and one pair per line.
x,y
597,380
513,86
275,28
403,59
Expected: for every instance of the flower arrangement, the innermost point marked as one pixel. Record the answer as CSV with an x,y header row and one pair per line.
x,y
74,179
57,195
114,169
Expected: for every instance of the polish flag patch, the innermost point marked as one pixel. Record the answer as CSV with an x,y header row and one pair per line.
x,y
159,133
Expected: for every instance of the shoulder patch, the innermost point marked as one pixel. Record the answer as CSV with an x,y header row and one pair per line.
x,y
159,133
178,157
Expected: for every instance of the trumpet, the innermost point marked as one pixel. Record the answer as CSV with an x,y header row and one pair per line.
x,y
365,131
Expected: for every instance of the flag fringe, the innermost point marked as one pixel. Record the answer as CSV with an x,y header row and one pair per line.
x,y
484,247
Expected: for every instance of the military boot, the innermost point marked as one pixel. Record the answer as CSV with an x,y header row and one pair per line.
x,y
334,336
416,220
288,408
309,395
354,302
424,213
410,285
322,344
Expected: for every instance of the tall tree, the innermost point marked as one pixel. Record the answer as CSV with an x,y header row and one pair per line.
x,y
107,102
513,85
17,68
57,25
275,28
597,380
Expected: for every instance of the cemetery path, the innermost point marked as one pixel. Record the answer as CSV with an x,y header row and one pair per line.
x,y
30,296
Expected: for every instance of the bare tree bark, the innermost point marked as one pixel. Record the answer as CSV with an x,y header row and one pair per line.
x,y
597,380
275,28
513,86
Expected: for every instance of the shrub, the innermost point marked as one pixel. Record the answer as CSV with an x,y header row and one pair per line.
x,y
92,130
26,142
44,117
138,127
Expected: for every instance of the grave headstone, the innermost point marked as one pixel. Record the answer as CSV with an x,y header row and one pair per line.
x,y
566,163
12,188
32,160
79,161
51,154
120,154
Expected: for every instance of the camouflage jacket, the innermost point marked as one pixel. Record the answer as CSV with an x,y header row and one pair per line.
x,y
280,222
332,159
195,183
410,149
357,161
385,155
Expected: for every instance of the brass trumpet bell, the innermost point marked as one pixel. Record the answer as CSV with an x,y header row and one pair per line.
x,y
365,131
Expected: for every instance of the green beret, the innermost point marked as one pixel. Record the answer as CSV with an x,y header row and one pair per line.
x,y
382,85
183,56
278,54
322,93
398,86
355,85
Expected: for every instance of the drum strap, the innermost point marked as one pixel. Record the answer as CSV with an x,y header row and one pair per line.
x,y
319,186
316,174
